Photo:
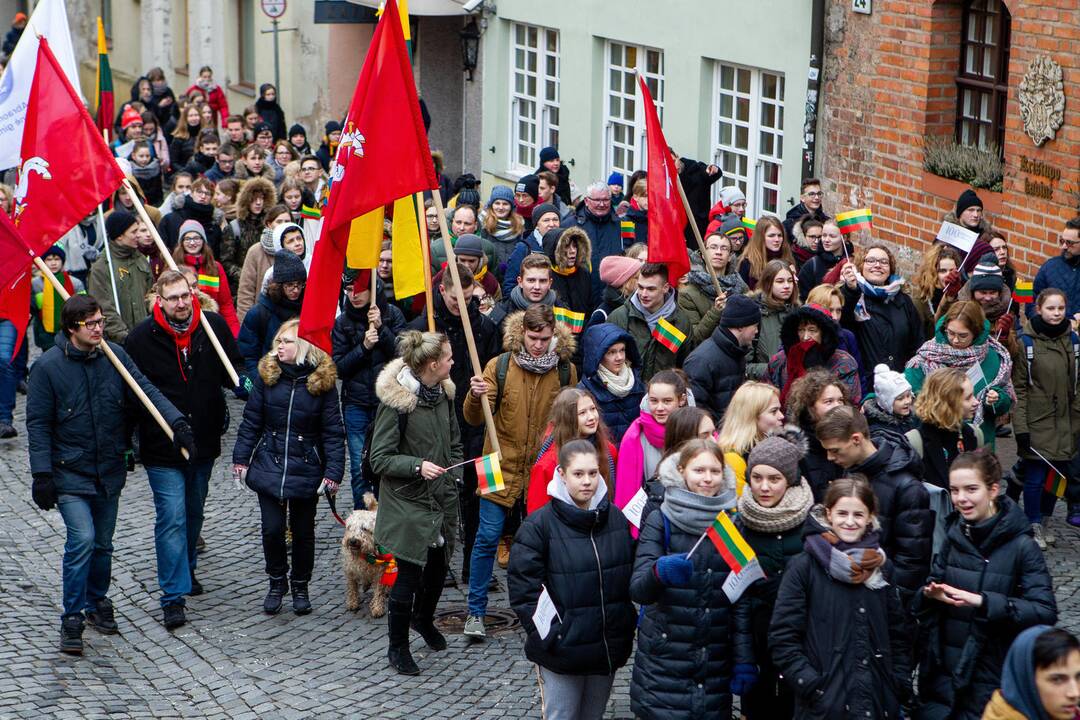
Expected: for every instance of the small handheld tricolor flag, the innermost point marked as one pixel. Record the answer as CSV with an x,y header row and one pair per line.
x,y
1024,292
730,543
853,220
104,82
668,335
209,281
573,320
310,212
1055,483
628,230
488,474
748,225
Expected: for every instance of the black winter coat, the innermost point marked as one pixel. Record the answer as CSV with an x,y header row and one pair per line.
x,y
193,384
357,365
260,326
797,213
697,185
618,412
716,368
963,649
907,522
291,436
814,271
842,647
584,558
272,114
815,465
605,235
563,189
191,210
685,635
893,333
940,447
77,410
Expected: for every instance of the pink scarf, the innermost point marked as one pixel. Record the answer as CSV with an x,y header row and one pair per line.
x,y
630,471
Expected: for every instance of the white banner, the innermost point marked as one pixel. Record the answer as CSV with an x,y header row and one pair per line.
x,y
635,507
50,20
736,583
544,614
957,236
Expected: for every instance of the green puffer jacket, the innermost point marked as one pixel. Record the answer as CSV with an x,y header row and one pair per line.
x,y
131,272
414,513
767,343
1047,405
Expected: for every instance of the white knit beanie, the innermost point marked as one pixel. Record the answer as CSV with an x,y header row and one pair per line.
x,y
888,385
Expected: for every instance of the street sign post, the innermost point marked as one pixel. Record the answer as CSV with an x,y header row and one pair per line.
x,y
274,9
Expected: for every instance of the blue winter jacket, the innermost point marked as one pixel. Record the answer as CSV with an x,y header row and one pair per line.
x,y
1061,273
605,234
618,412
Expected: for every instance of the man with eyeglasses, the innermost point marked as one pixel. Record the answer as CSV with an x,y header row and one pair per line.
x,y
225,166
197,206
311,174
810,200
76,422
1063,272
130,277
173,350
599,221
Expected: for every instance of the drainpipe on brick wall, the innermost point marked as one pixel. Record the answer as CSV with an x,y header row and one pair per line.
x,y
813,89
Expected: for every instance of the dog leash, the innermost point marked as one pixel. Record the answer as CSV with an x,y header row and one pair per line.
x,y
331,500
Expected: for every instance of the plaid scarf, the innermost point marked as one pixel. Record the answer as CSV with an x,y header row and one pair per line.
x,y
935,354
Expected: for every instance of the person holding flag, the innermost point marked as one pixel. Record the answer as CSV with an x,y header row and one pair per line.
x,y
686,634
661,330
416,437
838,635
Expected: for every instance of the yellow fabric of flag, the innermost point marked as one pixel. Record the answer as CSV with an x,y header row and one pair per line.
x,y
365,240
405,246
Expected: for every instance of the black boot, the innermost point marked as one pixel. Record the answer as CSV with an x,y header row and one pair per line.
x,y
397,625
301,604
275,595
423,617
71,629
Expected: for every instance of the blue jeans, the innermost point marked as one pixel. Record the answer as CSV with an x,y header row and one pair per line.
x,y
357,419
179,496
12,369
1038,503
492,519
87,566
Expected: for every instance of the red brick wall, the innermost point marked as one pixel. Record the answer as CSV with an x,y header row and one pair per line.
x,y
889,84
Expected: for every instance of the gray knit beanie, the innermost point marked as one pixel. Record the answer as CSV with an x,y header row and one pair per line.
x,y
782,449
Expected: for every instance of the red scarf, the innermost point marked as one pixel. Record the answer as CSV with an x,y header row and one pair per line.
x,y
181,340
796,366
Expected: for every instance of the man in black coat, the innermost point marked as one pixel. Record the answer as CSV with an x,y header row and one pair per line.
x,y
173,350
697,179
717,367
77,407
810,199
551,162
894,471
488,344
599,221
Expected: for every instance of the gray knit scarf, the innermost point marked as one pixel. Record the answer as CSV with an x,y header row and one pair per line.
x,y
537,365
789,513
652,318
693,513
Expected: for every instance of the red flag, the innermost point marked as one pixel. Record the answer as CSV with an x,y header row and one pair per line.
x,y
15,304
667,217
383,156
66,168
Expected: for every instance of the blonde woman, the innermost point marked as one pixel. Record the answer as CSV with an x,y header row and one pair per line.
x,y
946,405
936,284
290,447
754,411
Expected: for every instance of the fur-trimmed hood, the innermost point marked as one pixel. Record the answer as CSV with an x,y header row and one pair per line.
x,y
514,336
669,476
567,236
392,391
249,190
321,380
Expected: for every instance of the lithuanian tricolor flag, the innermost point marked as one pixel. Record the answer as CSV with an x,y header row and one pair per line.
x,y
105,108
736,552
310,212
853,220
628,231
1055,483
573,320
1024,292
488,474
668,335
212,282
748,224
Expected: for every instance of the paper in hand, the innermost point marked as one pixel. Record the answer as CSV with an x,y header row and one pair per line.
x,y
635,507
543,615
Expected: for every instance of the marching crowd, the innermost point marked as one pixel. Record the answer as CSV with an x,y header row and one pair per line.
x,y
834,420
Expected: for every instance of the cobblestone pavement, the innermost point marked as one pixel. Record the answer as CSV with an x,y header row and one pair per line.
x,y
231,660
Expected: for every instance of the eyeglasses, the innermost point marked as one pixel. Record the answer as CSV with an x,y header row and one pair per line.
x,y
309,169
958,336
879,262
600,201
183,297
814,237
815,194
295,285
99,323
1071,243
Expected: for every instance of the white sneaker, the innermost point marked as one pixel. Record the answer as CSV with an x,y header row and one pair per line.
x,y
474,628
1048,535
1036,529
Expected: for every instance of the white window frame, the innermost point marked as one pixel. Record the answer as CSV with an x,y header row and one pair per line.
x,y
543,102
634,147
752,182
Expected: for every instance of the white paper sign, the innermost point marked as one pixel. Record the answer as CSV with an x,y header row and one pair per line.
x,y
975,374
545,612
635,507
736,583
958,237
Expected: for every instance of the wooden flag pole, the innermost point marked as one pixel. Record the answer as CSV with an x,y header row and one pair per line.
x,y
172,266
154,412
697,236
425,249
451,264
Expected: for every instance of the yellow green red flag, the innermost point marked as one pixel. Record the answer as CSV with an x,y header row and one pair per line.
x,y
731,545
668,335
489,475
573,320
853,220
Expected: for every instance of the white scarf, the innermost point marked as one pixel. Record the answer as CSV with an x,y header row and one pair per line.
x,y
618,385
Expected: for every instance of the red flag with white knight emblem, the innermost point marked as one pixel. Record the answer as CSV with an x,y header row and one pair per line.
x,y
66,168
383,155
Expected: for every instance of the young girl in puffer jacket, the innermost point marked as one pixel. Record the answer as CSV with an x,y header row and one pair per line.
x,y
576,548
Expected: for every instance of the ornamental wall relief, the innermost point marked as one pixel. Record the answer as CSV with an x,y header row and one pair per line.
x,y
1042,99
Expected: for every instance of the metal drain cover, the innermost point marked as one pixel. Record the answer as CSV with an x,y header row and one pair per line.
x,y
498,620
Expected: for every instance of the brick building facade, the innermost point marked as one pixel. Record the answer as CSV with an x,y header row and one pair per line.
x,y
913,70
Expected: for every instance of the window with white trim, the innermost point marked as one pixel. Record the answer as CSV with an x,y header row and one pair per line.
x,y
624,126
534,93
748,138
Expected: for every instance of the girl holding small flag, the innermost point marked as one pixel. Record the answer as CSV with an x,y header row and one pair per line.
x,y
570,250
577,549
1046,417
771,520
987,584
838,634
683,665
415,438
574,416
195,252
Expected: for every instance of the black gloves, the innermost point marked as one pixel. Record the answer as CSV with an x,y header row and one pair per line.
x,y
183,437
1023,443
44,491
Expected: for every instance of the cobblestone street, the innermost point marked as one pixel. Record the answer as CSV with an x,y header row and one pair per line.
x,y
231,660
